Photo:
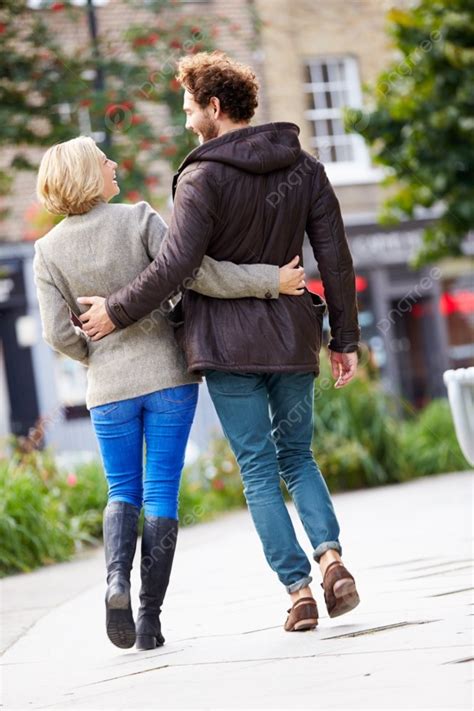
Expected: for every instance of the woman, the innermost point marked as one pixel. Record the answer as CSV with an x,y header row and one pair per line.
x,y
138,387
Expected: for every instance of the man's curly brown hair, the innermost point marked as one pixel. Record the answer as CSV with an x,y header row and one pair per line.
x,y
209,74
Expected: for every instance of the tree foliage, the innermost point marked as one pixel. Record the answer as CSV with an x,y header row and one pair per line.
x,y
50,92
421,125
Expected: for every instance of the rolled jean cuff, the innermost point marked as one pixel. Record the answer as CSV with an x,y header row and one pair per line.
x,y
299,584
326,546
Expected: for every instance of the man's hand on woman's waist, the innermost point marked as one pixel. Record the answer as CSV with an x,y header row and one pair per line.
x,y
95,322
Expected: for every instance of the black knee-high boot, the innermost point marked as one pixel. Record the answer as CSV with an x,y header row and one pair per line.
x,y
158,547
120,541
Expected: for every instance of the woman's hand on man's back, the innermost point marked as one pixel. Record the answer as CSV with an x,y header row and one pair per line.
x,y
292,278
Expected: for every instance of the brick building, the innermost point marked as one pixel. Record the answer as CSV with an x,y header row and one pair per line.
x,y
316,58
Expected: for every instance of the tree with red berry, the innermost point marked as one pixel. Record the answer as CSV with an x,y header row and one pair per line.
x,y
50,93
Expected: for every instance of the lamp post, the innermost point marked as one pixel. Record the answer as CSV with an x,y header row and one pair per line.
x,y
99,79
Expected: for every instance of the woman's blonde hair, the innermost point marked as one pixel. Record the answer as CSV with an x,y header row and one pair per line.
x,y
70,180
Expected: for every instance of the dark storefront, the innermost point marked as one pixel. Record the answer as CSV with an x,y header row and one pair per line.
x,y
15,351
417,324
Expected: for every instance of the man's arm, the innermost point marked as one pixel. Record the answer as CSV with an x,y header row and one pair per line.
x,y
220,280
181,254
58,330
329,242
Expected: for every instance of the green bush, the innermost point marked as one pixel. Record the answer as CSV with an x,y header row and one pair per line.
x,y
429,444
356,431
211,485
348,465
46,515
33,526
85,500
365,436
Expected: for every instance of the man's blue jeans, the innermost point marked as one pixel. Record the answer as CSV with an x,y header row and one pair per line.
x,y
163,419
268,420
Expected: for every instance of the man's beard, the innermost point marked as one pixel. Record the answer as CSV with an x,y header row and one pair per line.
x,y
207,129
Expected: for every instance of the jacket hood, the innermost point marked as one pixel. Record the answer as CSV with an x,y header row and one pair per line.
x,y
256,149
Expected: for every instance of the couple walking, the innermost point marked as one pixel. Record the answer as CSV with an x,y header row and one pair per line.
x,y
249,327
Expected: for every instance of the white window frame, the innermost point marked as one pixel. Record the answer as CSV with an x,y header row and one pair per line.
x,y
359,170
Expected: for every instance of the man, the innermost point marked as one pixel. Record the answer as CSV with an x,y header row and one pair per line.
x,y
248,194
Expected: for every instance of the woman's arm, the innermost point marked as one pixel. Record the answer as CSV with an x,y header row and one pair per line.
x,y
221,280
58,330
226,280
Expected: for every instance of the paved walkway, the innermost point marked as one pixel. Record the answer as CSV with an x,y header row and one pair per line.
x,y
407,646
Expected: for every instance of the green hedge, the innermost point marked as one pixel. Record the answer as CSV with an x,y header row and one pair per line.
x,y
47,515
363,437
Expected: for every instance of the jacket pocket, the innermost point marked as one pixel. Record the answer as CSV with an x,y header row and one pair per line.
x,y
176,315
318,310
319,306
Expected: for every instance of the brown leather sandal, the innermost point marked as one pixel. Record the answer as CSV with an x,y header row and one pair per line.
x,y
303,615
340,593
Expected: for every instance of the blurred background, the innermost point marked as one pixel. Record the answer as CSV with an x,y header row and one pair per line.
x,y
381,91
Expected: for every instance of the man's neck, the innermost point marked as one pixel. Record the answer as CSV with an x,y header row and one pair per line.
x,y
228,126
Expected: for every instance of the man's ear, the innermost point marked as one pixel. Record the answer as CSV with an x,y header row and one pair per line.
x,y
215,106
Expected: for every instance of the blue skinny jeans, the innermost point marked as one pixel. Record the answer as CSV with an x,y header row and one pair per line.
x,y
162,420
